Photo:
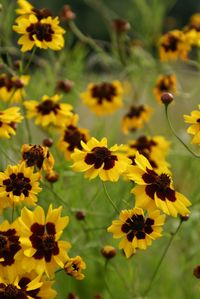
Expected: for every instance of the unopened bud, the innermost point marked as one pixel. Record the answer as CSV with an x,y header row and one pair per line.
x,y
18,83
47,142
67,14
196,272
80,215
97,296
108,251
17,64
72,296
121,26
64,86
52,176
185,217
167,98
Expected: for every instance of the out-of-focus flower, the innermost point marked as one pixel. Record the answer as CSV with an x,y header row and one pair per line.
x,y
155,189
174,45
8,121
66,14
43,33
165,83
194,129
136,117
103,98
108,251
64,86
96,159
49,111
121,26
192,30
136,229
74,267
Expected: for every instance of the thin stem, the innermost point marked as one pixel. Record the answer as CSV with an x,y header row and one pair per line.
x,y
109,198
6,155
26,121
174,132
162,258
30,60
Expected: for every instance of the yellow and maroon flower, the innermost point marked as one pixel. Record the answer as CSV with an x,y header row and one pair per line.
x,y
12,87
103,98
40,236
26,9
165,83
42,32
97,159
192,30
136,230
8,121
155,189
22,285
18,184
74,266
49,111
174,45
135,118
194,129
38,156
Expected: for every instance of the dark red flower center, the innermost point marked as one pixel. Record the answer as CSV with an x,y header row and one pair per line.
x,y
9,83
104,92
48,106
43,240
34,156
42,31
137,226
135,111
100,155
42,13
73,137
18,184
143,144
171,44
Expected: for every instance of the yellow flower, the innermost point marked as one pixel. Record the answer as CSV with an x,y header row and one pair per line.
x,y
165,83
103,98
24,7
38,156
174,45
135,118
20,284
97,159
18,184
136,229
192,30
71,137
12,88
49,111
74,267
194,129
43,33
40,239
155,189
8,120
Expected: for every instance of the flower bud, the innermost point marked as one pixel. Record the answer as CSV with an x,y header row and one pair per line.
x,y
80,215
64,86
167,98
121,26
52,176
47,142
108,251
185,217
66,14
196,271
72,296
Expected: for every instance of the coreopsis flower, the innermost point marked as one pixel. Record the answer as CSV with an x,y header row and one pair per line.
x,y
153,148
49,111
40,239
10,244
165,83
194,129
74,267
96,159
12,87
22,285
26,9
155,189
174,45
37,156
103,98
192,30
40,32
137,229
18,184
135,118
71,137
8,121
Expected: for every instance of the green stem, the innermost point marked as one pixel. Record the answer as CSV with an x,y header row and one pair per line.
x,y
161,259
26,121
6,155
30,60
174,132
109,198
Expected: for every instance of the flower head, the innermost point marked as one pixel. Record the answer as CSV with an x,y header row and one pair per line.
x,y
192,30
135,118
136,229
40,32
74,267
12,87
97,159
49,111
155,189
103,98
8,120
18,184
40,239
165,83
173,45
194,129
